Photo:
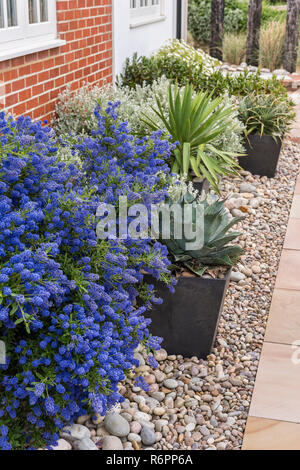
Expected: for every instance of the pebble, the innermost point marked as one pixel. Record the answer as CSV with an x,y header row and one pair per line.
x,y
112,443
86,444
62,444
116,425
134,437
171,384
75,432
160,355
248,188
236,276
204,431
135,427
159,411
148,437
159,396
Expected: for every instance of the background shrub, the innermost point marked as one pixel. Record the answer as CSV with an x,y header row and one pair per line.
x,y
176,60
199,13
272,37
75,111
234,48
235,20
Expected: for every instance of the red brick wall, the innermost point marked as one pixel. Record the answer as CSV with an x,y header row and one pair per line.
x,y
33,82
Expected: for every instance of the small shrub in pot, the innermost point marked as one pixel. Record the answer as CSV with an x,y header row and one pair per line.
x,y
188,319
267,119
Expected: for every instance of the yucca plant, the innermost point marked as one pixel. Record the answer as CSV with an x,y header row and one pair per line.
x,y
195,121
266,115
214,228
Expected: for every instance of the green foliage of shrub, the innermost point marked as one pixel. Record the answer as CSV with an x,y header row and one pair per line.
x,y
271,46
199,19
75,114
235,21
217,249
144,71
241,85
75,111
195,121
234,48
176,60
266,114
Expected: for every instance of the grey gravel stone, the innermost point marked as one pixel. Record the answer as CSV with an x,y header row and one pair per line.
x,y
148,436
116,425
170,383
86,444
112,443
75,432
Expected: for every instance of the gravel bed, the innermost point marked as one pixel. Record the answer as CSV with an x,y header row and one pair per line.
x,y
203,404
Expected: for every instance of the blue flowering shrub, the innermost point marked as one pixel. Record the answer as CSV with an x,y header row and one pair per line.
x,y
69,314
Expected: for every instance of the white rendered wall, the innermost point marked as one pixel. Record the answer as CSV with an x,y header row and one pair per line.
x,y
142,39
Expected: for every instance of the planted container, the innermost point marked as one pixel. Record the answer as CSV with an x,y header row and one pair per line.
x,y
262,155
201,185
188,319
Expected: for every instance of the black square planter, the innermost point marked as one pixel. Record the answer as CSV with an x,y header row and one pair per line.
x,y
262,155
203,185
188,319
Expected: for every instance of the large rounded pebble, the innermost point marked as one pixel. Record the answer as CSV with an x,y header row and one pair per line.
x,y
160,355
116,425
148,436
135,427
62,444
171,384
86,444
75,432
236,276
134,437
159,396
112,443
248,188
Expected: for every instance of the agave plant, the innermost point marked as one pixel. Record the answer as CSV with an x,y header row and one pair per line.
x,y
266,115
214,229
195,121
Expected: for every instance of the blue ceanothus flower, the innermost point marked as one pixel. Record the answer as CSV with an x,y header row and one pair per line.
x,y
68,310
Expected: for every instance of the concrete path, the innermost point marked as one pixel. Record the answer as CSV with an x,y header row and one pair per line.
x,y
274,417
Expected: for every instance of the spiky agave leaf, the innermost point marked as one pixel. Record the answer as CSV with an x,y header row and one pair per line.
x,y
217,249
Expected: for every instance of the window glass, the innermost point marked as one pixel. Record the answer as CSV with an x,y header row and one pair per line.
x,y
1,14
43,10
12,19
33,11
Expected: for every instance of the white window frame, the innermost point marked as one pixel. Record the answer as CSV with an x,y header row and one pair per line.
x,y
26,38
145,11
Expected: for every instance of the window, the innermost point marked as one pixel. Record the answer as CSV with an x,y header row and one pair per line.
x,y
146,11
27,26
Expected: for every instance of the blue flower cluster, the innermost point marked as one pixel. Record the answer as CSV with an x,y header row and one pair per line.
x,y
69,314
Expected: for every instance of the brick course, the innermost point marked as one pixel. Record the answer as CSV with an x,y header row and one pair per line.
x,y
33,82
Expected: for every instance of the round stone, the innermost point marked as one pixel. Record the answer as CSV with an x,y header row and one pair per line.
x,y
135,427
75,432
86,444
171,384
116,425
160,355
159,396
148,436
132,437
236,276
111,443
62,444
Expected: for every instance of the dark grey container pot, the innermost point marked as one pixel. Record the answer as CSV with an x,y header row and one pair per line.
x,y
262,155
188,319
203,185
